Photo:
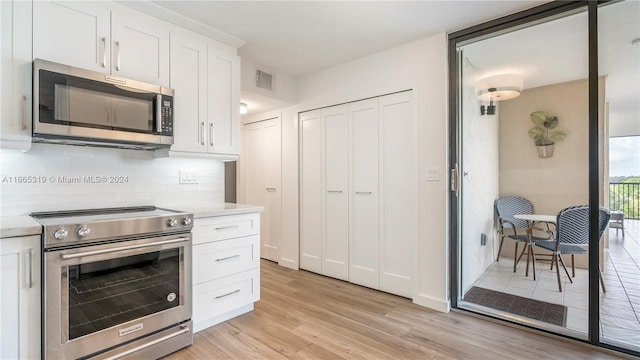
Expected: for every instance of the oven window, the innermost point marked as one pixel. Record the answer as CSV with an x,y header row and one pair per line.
x,y
108,293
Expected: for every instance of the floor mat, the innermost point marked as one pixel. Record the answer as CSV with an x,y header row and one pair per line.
x,y
518,305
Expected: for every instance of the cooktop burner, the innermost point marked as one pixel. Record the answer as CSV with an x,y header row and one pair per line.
x,y
62,228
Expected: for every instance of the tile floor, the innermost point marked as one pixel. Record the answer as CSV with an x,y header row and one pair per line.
x,y
619,306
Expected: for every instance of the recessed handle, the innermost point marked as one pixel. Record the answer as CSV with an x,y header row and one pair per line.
x,y
228,294
228,258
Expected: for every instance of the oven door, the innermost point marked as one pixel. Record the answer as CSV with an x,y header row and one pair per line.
x,y
97,297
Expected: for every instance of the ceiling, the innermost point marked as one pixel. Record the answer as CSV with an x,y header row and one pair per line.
x,y
302,37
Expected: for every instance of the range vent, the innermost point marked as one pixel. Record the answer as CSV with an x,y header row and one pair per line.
x,y
264,80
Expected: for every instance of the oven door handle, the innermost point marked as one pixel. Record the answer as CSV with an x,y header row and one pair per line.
x,y
122,248
183,330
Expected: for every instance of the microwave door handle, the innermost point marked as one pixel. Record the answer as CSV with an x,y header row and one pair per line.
x,y
159,113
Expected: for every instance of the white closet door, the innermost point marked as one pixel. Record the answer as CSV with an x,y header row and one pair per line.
x,y
311,191
398,189
335,241
271,220
364,241
253,164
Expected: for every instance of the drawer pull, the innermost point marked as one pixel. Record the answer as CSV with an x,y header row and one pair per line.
x,y
230,227
229,294
335,191
228,258
363,192
271,189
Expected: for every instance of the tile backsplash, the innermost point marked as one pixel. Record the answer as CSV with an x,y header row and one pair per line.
x,y
60,177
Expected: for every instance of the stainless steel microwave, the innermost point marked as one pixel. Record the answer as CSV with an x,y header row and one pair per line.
x,y
81,107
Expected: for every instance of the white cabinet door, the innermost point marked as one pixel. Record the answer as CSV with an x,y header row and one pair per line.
x,y
335,239
272,219
398,189
364,239
253,160
223,128
20,300
72,33
140,49
15,75
189,80
311,174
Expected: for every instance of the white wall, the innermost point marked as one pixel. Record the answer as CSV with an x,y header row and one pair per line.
x,y
479,177
421,66
149,181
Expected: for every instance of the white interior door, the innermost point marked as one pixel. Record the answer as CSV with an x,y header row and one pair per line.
x,y
253,164
398,186
311,191
364,240
335,240
272,229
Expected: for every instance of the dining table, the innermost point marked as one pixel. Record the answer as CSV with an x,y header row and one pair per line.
x,y
531,219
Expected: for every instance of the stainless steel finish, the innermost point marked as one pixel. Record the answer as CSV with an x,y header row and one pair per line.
x,y
167,346
172,222
23,114
363,192
83,232
76,135
228,227
183,330
60,234
202,132
186,221
121,248
30,262
211,134
159,113
104,51
228,294
228,258
335,191
118,55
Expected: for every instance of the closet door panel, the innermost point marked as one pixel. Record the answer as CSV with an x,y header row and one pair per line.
x,y
311,191
364,238
335,246
272,230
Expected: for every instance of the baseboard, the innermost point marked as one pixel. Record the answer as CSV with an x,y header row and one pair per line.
x,y
203,324
288,263
432,303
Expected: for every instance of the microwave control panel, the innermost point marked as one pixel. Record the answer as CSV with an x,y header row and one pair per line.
x,y
167,116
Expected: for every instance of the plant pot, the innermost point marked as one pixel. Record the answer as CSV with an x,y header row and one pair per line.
x,y
545,151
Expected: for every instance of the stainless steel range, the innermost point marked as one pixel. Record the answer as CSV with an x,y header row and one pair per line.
x,y
117,283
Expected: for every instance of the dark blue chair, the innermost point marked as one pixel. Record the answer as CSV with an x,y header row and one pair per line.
x,y
572,237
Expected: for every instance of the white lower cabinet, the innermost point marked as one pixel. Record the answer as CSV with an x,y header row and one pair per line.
x,y
20,301
226,267
359,191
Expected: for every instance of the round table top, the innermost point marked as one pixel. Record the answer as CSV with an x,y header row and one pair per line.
x,y
536,217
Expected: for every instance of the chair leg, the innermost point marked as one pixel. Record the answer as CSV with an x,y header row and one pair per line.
x,y
515,258
573,266
565,268
604,290
555,259
500,248
533,260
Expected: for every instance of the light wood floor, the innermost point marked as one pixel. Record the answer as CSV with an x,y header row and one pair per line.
x,y
302,315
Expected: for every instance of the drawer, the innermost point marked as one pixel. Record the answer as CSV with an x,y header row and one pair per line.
x,y
225,227
226,294
222,258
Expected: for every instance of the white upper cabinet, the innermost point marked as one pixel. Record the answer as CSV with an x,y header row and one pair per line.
x,y
15,75
89,36
224,102
140,50
189,80
72,33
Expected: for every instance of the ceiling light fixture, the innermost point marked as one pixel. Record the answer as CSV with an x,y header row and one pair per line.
x,y
243,108
497,88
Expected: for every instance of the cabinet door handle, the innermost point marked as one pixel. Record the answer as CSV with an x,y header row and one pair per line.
x,y
271,189
23,115
211,134
104,52
230,227
29,256
335,191
228,294
202,133
228,258
118,55
363,192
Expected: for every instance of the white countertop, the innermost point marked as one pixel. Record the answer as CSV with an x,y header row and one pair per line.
x,y
224,209
24,225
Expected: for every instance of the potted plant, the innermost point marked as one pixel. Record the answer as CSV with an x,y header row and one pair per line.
x,y
540,133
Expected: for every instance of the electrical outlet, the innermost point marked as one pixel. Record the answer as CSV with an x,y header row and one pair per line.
x,y
187,177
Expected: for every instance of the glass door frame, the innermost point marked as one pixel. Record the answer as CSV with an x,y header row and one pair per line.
x,y
514,21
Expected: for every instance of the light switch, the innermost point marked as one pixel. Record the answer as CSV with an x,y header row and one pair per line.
x,y
432,174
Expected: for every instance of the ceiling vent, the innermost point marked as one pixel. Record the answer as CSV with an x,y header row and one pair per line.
x,y
264,80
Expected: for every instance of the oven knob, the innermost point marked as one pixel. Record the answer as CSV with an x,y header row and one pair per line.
x,y
172,222
186,220
60,234
84,231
